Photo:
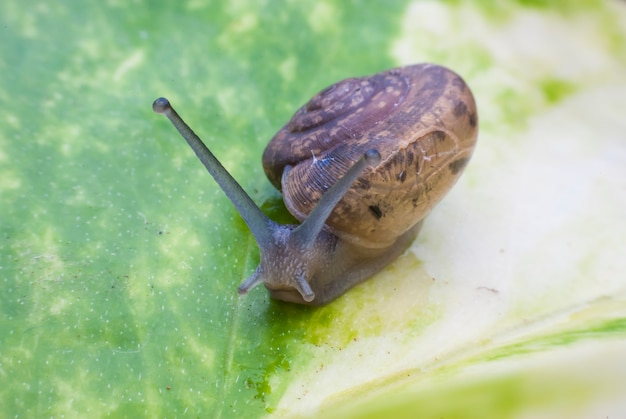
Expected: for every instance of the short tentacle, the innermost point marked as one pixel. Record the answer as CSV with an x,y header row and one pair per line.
x,y
303,287
255,279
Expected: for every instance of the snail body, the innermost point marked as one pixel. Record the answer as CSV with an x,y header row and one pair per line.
x,y
360,165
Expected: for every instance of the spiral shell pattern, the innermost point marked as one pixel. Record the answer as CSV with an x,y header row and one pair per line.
x,y
421,118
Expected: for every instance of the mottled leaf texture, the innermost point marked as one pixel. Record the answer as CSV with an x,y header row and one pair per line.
x,y
120,257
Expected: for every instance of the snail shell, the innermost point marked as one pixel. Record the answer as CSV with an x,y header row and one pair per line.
x,y
421,118
360,165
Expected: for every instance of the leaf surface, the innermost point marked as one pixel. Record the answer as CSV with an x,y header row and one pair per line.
x,y
120,258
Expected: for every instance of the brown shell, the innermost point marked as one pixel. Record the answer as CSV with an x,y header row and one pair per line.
x,y
421,118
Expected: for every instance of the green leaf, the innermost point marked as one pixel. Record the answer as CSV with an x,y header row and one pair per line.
x,y
120,257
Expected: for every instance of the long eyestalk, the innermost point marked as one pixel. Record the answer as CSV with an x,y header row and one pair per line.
x,y
310,228
260,225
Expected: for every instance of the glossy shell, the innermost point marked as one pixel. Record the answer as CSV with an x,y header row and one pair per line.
x,y
421,118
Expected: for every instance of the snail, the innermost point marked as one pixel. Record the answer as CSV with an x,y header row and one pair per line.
x,y
360,166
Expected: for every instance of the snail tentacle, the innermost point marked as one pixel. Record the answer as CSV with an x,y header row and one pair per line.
x,y
260,225
302,286
313,224
255,279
